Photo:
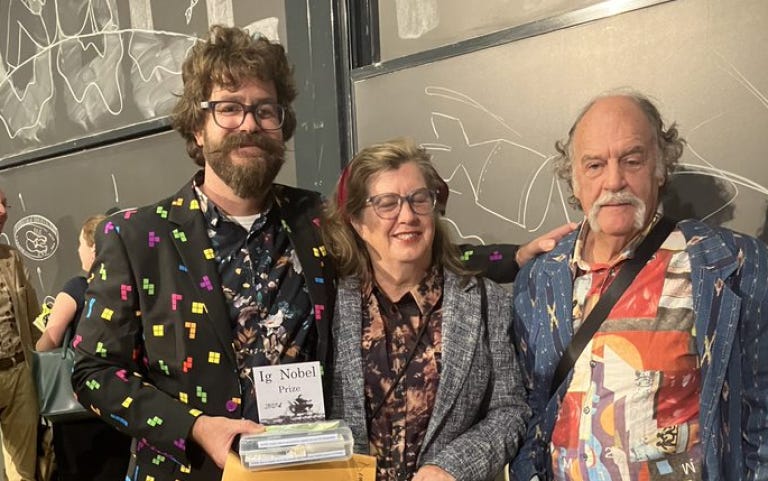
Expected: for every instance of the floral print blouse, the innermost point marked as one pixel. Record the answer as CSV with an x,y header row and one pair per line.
x,y
268,301
389,331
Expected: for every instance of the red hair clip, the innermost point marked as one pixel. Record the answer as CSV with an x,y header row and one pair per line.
x,y
342,191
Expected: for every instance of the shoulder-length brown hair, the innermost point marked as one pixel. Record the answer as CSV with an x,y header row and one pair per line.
x,y
349,199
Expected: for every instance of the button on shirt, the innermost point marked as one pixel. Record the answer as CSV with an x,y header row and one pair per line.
x,y
631,411
268,301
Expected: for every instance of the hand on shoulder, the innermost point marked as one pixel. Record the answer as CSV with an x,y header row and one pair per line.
x,y
543,243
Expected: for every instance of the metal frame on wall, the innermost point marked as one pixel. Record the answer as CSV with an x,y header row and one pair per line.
x,y
360,42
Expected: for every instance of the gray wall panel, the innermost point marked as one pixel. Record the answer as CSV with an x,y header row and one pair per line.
x,y
491,117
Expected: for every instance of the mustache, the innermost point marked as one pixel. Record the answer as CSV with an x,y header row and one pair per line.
x,y
622,197
237,140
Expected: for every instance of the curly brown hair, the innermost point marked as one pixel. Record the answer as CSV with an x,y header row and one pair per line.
x,y
230,57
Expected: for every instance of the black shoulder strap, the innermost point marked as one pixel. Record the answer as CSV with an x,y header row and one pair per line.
x,y
592,323
483,304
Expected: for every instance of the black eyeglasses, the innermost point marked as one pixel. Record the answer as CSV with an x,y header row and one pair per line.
x,y
230,115
387,206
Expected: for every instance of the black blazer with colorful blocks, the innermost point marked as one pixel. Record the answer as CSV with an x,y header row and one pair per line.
x,y
155,340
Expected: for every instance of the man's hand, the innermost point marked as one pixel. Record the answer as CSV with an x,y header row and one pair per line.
x,y
431,472
544,243
215,435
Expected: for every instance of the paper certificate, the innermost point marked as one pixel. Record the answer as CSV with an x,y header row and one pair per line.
x,y
289,393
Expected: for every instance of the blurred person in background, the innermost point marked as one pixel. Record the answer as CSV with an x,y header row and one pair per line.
x,y
18,397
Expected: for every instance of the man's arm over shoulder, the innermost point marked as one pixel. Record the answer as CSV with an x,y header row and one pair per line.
x,y
501,262
494,261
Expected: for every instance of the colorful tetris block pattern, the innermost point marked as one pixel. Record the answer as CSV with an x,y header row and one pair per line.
x,y
186,307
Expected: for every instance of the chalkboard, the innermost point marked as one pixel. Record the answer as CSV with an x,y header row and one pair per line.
x,y
50,199
407,27
57,171
75,73
490,116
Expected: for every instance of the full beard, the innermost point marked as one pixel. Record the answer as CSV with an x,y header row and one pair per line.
x,y
253,177
616,198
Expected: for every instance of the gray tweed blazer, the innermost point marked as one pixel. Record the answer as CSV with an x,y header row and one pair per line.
x,y
480,411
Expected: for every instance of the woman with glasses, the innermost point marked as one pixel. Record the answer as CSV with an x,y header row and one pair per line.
x,y
425,372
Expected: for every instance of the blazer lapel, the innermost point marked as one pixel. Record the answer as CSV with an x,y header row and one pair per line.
x,y
349,340
553,328
190,239
296,212
718,309
461,339
558,281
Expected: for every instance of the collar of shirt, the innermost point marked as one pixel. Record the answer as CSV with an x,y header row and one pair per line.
x,y
578,264
214,215
426,294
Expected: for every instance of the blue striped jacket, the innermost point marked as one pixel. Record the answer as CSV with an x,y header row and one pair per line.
x,y
729,275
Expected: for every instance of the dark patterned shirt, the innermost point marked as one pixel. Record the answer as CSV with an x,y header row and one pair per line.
x,y
390,329
268,301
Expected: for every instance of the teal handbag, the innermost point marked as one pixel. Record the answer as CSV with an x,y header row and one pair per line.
x,y
52,371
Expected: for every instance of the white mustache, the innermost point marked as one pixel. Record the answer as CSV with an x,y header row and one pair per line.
x,y
623,197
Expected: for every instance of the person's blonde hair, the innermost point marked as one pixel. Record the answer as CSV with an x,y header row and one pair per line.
x,y
89,229
350,198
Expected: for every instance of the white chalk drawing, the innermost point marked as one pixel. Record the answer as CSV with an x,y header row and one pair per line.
x,y
104,71
114,188
416,17
473,167
21,203
39,272
475,173
189,10
220,11
266,27
36,237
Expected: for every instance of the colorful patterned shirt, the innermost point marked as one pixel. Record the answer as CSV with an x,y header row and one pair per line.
x,y
631,411
268,301
390,329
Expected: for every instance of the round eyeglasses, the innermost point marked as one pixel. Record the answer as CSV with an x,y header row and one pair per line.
x,y
230,115
388,206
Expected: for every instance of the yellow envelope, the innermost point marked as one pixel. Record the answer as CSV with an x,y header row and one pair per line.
x,y
359,468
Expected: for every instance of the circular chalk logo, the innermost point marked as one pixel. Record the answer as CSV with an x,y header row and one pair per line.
x,y
36,237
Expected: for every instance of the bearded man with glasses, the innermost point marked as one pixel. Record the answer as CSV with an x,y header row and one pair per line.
x,y
189,294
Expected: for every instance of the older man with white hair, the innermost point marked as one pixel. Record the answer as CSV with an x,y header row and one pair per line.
x,y
643,339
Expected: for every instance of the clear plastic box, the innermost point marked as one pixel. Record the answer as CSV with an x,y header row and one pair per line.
x,y
293,444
